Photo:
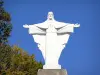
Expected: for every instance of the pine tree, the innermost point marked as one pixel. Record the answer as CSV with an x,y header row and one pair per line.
x,y
5,24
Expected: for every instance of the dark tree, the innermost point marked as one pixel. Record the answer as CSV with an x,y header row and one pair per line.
x,y
5,24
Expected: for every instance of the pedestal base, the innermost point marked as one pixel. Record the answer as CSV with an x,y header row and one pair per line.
x,y
52,72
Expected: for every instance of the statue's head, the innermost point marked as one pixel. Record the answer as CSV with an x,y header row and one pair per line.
x,y
50,16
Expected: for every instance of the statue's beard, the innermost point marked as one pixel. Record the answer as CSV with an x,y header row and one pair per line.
x,y
50,18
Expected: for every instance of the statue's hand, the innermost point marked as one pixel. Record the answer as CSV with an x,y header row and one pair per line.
x,y
26,26
76,25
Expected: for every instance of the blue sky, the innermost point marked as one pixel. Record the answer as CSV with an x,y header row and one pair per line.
x,y
81,55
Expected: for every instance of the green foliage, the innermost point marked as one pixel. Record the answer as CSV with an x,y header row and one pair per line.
x,y
16,61
5,25
5,57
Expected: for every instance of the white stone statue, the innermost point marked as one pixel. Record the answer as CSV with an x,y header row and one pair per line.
x,y
51,37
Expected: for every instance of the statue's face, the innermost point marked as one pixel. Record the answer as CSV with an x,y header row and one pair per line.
x,y
50,16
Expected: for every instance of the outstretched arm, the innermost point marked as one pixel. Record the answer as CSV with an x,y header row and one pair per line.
x,y
33,29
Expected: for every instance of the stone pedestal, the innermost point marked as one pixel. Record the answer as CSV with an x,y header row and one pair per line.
x,y
52,72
